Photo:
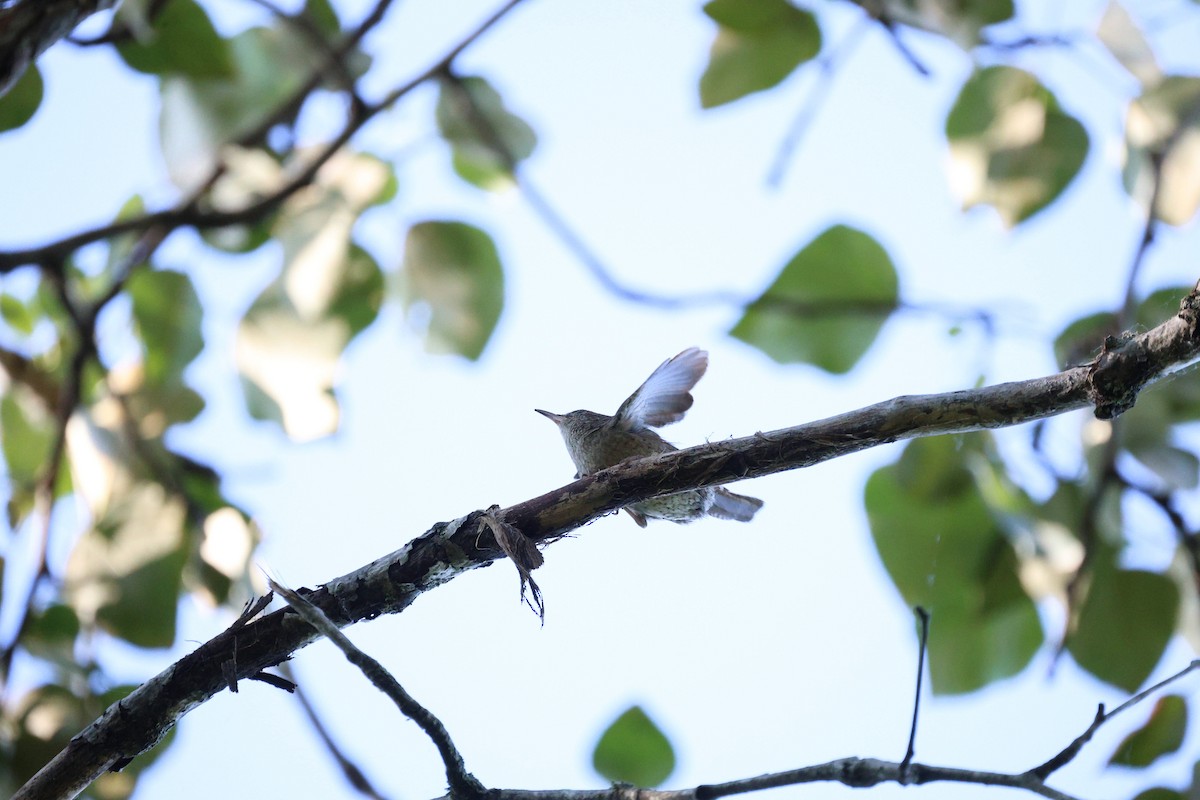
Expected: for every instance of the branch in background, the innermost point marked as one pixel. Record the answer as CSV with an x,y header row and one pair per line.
x,y
558,225
463,785
816,98
189,214
447,550
354,775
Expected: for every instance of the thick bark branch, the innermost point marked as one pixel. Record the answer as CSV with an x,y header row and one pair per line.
x,y
28,28
448,549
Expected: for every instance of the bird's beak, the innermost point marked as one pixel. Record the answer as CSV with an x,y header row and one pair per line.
x,y
555,418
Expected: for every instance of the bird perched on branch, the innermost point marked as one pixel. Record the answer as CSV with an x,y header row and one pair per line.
x,y
596,441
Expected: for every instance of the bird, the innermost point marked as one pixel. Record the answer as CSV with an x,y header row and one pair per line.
x,y
596,441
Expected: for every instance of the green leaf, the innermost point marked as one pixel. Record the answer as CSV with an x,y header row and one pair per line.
x,y
17,314
21,101
182,40
1162,734
1163,124
167,314
50,634
487,140
199,116
28,434
1011,146
828,303
758,44
291,340
125,573
633,750
323,16
1160,793
289,347
453,272
1125,624
944,550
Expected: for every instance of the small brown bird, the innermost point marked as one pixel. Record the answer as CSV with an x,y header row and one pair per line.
x,y
596,441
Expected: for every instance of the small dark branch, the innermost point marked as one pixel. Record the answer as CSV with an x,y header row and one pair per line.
x,y
862,773
1063,758
1034,40
463,785
826,72
1189,540
923,616
353,774
276,681
893,31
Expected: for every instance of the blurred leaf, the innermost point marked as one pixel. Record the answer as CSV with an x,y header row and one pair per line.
x,y
1162,734
944,550
167,314
120,248
181,40
323,16
50,634
827,305
1174,466
486,139
124,574
289,356
28,434
1164,124
291,340
633,750
758,44
960,21
20,103
1160,793
1119,33
453,271
1126,622
1081,340
1011,146
46,719
199,116
17,314
249,175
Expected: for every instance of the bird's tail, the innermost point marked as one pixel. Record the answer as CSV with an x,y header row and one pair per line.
x,y
727,505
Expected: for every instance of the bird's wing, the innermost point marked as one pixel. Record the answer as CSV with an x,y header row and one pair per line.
x,y
666,394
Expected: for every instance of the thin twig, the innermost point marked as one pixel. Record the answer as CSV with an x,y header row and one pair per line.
x,y
1069,752
923,616
462,783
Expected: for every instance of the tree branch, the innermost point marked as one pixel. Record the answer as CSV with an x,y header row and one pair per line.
x,y
449,549
29,28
